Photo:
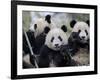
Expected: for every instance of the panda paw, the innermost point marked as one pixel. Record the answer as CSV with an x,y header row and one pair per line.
x,y
32,58
64,50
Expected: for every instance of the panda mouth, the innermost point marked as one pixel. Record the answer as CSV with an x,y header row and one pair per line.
x,y
83,40
57,47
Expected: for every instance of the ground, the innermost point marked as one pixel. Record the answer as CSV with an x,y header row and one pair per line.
x,y
82,56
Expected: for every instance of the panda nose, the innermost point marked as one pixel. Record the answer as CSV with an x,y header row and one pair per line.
x,y
83,37
56,45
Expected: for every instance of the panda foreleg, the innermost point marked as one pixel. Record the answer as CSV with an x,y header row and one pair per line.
x,y
73,48
43,60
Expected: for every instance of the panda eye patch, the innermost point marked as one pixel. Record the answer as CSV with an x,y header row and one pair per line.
x,y
35,26
79,31
52,39
86,32
60,38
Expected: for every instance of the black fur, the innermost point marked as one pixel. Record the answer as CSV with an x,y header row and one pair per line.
x,y
46,29
35,26
88,22
26,48
74,40
74,43
59,59
36,44
31,38
39,41
48,18
72,23
64,28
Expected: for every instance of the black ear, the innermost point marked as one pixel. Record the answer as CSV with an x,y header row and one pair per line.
x,y
72,23
46,30
35,26
64,28
88,22
48,18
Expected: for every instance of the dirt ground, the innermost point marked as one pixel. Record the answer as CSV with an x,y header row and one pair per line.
x,y
83,57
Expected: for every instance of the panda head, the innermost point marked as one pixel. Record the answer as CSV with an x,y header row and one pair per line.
x,y
56,37
38,26
82,30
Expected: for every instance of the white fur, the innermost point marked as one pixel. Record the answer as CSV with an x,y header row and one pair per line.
x,y
41,24
82,26
55,33
26,59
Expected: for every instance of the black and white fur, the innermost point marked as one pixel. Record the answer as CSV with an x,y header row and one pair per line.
x,y
36,36
80,35
50,53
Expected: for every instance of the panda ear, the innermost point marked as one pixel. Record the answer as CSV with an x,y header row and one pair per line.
x,y
88,22
64,28
72,23
48,18
46,30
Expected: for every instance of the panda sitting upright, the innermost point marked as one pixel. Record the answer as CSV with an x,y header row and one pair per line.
x,y
79,37
50,53
36,34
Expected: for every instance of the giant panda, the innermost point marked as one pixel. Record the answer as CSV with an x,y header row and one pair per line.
x,y
36,33
51,54
36,36
39,24
80,35
79,41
